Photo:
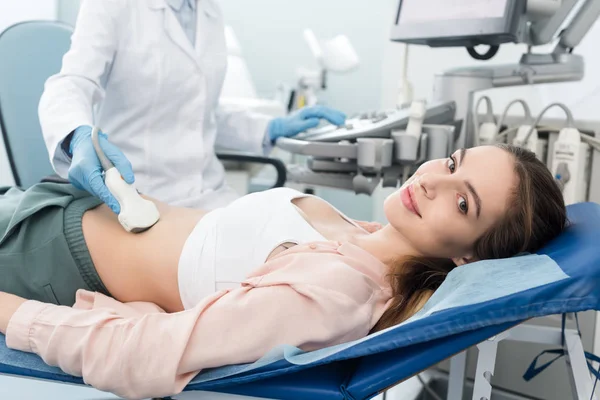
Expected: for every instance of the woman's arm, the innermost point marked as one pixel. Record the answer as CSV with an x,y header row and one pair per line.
x,y
157,354
8,306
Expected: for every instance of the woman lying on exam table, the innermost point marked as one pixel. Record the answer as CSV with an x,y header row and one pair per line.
x,y
202,290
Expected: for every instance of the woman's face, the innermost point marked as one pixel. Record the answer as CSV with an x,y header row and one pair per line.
x,y
449,203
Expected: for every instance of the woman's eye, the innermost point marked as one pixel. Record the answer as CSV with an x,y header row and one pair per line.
x,y
462,205
451,164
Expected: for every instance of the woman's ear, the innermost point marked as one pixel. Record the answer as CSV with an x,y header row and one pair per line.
x,y
469,258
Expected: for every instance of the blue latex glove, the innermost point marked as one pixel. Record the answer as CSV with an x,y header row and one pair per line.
x,y
303,119
85,172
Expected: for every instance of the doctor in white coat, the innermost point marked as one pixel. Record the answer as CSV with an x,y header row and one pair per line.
x,y
149,73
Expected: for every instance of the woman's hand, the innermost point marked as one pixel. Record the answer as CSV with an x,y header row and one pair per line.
x,y
8,306
370,227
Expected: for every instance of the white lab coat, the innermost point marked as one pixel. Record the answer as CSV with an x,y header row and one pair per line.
x,y
132,72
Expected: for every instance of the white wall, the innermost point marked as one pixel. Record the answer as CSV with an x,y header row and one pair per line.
x,y
12,12
270,34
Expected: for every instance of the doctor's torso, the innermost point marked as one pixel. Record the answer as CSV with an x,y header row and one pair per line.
x,y
160,99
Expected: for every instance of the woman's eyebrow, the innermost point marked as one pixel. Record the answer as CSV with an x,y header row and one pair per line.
x,y
463,153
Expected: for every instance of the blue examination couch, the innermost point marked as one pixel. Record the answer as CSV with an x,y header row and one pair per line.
x,y
475,303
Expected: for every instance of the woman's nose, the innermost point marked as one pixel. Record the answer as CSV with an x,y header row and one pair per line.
x,y
431,184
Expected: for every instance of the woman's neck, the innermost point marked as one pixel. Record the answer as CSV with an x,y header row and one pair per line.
x,y
386,244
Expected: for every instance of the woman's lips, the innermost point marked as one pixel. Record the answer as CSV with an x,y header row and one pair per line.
x,y
408,199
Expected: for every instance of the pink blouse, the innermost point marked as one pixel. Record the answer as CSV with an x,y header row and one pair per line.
x,y
311,296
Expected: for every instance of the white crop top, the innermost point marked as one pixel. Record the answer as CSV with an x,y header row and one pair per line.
x,y
230,242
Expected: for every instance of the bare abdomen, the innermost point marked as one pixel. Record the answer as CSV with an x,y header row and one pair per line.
x,y
142,266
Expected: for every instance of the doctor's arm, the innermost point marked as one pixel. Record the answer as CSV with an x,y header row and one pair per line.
x,y
70,96
243,130
157,354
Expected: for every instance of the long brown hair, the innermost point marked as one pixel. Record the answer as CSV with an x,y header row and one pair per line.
x,y
536,215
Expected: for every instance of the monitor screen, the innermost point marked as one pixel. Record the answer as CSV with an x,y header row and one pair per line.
x,y
458,22
414,11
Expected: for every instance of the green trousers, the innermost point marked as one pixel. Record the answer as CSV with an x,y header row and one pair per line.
x,y
43,255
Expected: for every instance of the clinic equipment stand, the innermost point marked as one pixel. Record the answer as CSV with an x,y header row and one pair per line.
x,y
461,84
581,380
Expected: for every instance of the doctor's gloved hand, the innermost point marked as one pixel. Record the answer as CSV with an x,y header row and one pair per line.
x,y
303,119
85,172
